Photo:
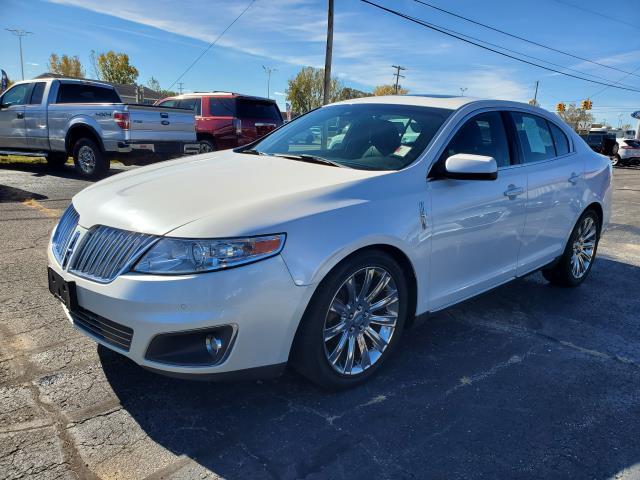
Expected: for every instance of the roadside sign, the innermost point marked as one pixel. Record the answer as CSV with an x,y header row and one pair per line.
x,y
636,114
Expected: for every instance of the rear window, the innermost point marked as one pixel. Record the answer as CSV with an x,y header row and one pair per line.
x,y
222,107
632,143
560,140
258,110
81,93
186,103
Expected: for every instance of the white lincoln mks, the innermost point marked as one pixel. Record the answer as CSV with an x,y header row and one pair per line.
x,y
320,243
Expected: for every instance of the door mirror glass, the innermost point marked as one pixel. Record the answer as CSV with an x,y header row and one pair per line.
x,y
465,166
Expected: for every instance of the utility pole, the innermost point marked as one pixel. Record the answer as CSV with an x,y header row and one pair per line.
x,y
535,95
20,33
268,71
462,90
397,75
327,57
180,87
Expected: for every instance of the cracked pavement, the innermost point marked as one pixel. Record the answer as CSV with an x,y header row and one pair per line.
x,y
526,381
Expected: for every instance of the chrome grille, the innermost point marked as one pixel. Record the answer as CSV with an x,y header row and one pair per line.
x,y
64,232
105,252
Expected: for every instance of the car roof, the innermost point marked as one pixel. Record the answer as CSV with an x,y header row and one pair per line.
x,y
448,102
220,94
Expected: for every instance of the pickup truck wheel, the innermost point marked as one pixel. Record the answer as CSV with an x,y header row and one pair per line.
x,y
90,162
57,159
206,146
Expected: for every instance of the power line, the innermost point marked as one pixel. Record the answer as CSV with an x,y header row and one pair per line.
x,y
212,44
599,14
523,39
460,36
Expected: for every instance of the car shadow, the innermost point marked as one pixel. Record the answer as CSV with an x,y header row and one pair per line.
x,y
41,169
525,381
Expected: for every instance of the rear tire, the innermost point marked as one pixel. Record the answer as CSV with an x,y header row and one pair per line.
x,y
206,146
341,350
57,159
89,160
579,254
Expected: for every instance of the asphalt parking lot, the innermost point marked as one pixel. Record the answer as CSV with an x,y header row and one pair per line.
x,y
527,381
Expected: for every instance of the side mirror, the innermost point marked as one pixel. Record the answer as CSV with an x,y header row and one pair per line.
x,y
465,166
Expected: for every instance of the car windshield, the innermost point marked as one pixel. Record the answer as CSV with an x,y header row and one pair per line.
x,y
362,136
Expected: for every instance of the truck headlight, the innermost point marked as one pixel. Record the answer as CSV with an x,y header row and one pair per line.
x,y
181,256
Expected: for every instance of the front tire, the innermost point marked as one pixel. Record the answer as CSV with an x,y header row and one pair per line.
x,y
353,322
89,160
579,254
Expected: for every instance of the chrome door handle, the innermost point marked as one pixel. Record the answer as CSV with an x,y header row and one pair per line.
x,y
573,179
513,191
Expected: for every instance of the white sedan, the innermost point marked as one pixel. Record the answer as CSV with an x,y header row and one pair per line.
x,y
237,263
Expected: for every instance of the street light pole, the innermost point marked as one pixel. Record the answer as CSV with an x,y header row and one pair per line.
x,y
327,57
20,33
268,71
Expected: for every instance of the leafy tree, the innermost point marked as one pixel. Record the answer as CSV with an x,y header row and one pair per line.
x,y
305,90
389,90
66,65
115,68
576,118
154,84
348,93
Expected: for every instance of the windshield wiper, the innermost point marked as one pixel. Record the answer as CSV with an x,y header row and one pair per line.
x,y
252,151
310,158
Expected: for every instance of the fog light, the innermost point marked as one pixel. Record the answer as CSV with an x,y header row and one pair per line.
x,y
214,344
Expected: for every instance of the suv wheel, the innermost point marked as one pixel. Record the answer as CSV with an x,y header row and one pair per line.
x,y
90,162
353,322
206,146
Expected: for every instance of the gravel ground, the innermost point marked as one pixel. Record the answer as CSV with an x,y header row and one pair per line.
x,y
527,381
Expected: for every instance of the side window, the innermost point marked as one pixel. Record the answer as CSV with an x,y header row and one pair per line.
x,y
168,103
560,139
535,138
222,107
484,134
37,92
16,95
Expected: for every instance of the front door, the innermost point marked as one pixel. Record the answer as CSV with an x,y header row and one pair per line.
x,y
12,123
476,224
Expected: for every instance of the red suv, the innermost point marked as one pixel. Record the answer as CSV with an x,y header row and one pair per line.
x,y
227,120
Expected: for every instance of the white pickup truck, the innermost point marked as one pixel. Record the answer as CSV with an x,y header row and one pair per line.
x,y
87,120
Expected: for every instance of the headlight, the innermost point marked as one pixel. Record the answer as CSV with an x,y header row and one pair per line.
x,y
180,256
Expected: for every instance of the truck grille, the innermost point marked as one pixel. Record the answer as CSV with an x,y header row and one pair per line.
x,y
106,252
64,232
111,332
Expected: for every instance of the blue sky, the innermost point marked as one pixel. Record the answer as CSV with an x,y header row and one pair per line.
x,y
163,37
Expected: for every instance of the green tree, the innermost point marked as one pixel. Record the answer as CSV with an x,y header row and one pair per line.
x,y
66,65
578,119
389,90
347,93
115,68
306,89
154,84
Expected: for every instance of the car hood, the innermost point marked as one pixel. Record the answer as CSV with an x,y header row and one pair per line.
x,y
215,195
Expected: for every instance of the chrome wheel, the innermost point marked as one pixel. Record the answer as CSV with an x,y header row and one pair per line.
x,y
615,160
361,320
583,247
87,159
205,147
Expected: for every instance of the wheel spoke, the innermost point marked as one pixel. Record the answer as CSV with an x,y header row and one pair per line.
x,y
378,342
351,353
365,361
338,307
333,358
386,301
366,285
384,281
384,320
331,332
351,290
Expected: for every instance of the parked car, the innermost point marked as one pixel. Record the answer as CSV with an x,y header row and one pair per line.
x,y
59,118
627,152
602,142
280,252
228,120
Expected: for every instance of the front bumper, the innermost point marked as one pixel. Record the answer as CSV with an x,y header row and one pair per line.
x,y
260,301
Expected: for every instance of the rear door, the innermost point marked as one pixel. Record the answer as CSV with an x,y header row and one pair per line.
x,y
258,117
555,181
476,224
12,124
35,116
